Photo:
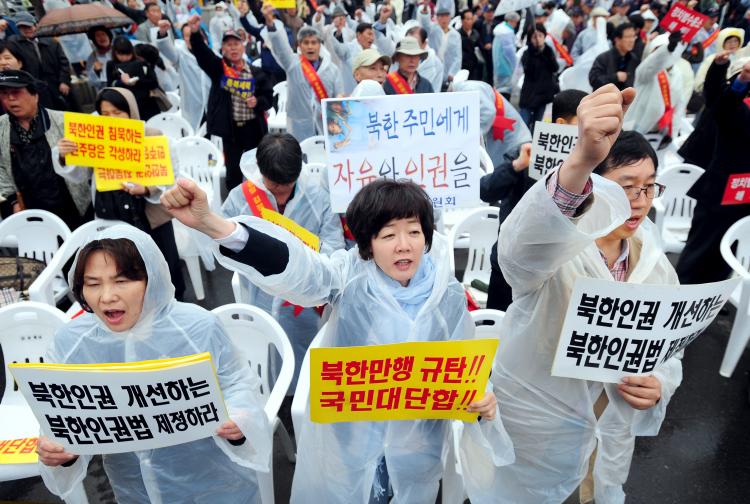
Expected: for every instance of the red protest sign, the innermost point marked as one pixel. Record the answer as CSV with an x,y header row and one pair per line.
x,y
737,191
686,20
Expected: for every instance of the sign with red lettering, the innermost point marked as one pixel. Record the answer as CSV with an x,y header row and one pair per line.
x,y
686,20
737,191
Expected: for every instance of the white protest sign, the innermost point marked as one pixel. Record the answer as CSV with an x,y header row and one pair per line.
x,y
91,409
617,329
505,6
431,139
551,145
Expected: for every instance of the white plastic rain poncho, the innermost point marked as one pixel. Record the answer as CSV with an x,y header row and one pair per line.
x,y
303,117
487,112
551,420
347,51
447,45
503,56
648,107
577,76
336,463
205,471
194,83
97,80
310,208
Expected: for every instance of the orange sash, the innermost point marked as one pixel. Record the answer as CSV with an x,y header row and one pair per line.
x,y
665,121
399,83
501,123
711,39
347,232
313,79
562,50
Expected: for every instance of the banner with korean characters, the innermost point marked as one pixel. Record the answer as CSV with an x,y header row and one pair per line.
x,y
122,407
737,191
431,139
107,142
617,329
551,145
157,168
402,381
684,19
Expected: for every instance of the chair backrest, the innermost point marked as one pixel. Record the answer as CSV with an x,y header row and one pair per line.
x,y
301,400
41,289
313,149
481,225
487,323
39,234
485,161
738,235
281,90
314,172
256,334
202,161
172,125
677,204
28,329
174,98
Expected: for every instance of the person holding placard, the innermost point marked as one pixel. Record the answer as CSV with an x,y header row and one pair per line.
x,y
122,282
587,219
395,286
131,202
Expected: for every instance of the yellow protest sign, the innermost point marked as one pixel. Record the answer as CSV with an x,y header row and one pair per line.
x,y
18,451
403,381
156,170
284,4
308,237
105,141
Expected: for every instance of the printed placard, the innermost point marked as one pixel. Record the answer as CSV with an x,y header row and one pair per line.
x,y
686,20
617,329
244,88
737,191
99,409
157,168
284,4
105,141
551,145
431,139
402,381
19,451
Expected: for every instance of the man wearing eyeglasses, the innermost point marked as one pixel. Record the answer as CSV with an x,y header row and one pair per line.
x,y
587,219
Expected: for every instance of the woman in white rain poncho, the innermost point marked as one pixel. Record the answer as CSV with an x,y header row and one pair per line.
x,y
388,290
127,325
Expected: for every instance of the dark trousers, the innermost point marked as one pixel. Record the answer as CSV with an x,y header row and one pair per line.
x,y
531,115
246,137
499,294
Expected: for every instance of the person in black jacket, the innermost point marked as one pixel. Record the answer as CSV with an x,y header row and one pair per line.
x,y
236,115
139,77
616,66
540,76
469,44
701,260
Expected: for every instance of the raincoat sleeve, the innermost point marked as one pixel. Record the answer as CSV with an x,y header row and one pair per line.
x,y
240,387
537,239
308,278
167,49
657,61
453,54
75,174
384,43
207,60
331,228
278,42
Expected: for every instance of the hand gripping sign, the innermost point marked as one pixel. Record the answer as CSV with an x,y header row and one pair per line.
x,y
402,381
114,408
616,329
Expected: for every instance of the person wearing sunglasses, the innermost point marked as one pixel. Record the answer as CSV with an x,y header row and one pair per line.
x,y
586,220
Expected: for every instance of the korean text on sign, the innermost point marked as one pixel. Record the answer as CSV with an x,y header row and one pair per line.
x,y
616,329
403,381
18,451
551,145
737,191
433,142
684,19
135,406
105,141
157,168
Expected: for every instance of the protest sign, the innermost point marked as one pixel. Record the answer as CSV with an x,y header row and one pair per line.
x,y
430,139
284,4
551,145
18,451
737,191
402,381
684,19
505,6
617,329
156,169
115,408
105,141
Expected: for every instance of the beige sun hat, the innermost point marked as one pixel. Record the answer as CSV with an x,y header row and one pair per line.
x,y
368,57
410,46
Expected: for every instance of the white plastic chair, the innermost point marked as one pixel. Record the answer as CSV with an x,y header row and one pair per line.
x,y
38,234
174,98
313,149
481,226
277,118
28,329
42,288
485,161
739,261
254,332
172,125
674,209
314,172
301,401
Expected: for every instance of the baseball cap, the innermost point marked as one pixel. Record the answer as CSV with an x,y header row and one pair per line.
x,y
443,12
231,33
16,79
369,57
24,19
